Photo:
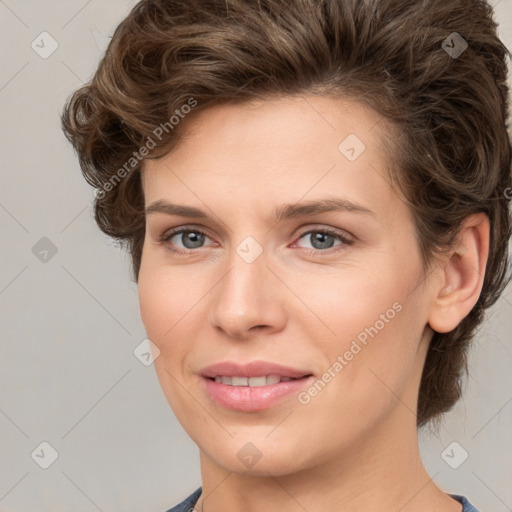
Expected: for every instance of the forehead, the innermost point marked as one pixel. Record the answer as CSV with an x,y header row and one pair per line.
x,y
264,152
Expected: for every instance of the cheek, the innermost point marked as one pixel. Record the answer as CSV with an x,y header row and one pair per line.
x,y
173,309
345,303
369,321
161,305
166,296
165,313
152,301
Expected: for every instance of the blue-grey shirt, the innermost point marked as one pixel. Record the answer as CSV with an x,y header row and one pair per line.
x,y
188,504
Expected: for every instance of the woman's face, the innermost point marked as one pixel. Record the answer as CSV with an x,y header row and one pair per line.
x,y
347,307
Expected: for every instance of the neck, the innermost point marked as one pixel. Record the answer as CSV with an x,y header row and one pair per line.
x,y
386,474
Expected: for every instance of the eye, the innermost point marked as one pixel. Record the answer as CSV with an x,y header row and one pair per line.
x,y
322,239
191,238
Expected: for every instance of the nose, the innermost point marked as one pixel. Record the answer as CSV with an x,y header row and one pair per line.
x,y
248,300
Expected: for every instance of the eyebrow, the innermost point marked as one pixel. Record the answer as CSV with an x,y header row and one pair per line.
x,y
286,211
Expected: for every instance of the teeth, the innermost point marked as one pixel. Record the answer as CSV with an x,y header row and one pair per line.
x,y
253,382
239,381
273,379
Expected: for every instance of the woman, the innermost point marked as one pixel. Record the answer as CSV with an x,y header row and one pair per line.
x,y
314,194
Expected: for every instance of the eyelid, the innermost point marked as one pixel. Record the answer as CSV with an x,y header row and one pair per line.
x,y
329,229
184,227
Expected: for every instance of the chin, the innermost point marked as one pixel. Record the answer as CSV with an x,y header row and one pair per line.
x,y
257,457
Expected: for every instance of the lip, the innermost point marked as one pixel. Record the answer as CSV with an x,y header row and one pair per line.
x,y
252,369
253,399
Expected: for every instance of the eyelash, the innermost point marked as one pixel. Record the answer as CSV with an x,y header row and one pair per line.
x,y
166,237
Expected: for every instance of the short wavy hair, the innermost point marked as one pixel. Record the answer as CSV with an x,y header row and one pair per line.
x,y
436,71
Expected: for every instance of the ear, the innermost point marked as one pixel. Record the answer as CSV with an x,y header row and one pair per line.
x,y
463,275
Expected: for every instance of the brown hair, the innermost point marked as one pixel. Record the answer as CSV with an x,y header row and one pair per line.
x,y
447,105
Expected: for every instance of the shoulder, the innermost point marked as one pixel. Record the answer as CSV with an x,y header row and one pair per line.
x,y
466,505
187,505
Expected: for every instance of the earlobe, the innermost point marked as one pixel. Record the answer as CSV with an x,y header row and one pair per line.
x,y
462,275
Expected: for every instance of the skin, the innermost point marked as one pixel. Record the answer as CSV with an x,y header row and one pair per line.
x,y
354,446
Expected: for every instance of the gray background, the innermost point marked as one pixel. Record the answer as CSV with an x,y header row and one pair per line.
x,y
70,324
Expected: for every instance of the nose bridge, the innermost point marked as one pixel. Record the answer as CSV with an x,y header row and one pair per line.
x,y
246,294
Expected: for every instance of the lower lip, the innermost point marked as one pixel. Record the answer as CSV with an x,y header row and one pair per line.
x,y
249,399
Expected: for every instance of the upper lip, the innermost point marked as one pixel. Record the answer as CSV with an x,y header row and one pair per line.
x,y
252,369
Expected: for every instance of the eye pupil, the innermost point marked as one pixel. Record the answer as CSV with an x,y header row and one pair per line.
x,y
193,237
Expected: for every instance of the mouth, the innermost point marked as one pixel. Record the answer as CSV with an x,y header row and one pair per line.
x,y
253,382
252,387
253,393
